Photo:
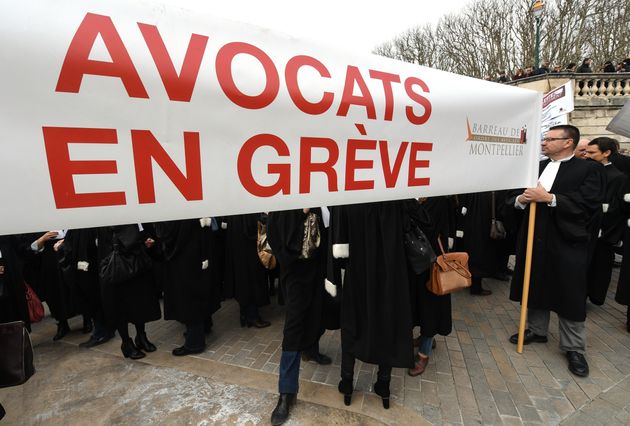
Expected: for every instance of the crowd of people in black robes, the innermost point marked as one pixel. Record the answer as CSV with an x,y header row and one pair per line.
x,y
355,278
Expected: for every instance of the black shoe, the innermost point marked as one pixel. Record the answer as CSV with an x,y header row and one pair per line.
x,y
321,359
87,325
129,350
577,364
280,414
596,301
2,412
258,323
95,341
62,330
528,338
381,388
143,343
183,351
345,387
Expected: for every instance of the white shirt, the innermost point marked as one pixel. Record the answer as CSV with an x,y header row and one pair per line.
x,y
546,180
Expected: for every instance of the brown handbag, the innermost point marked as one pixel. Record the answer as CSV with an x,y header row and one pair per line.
x,y
16,355
265,254
450,273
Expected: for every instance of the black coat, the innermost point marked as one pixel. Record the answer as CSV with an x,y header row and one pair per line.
x,y
561,240
245,277
376,312
13,302
134,300
190,296
302,280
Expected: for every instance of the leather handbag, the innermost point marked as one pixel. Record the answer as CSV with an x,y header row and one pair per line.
x,y
16,356
420,254
312,236
120,266
35,307
450,273
265,254
497,229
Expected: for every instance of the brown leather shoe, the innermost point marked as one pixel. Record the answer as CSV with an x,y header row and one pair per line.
x,y
421,365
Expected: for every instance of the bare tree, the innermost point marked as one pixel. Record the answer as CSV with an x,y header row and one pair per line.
x,y
489,36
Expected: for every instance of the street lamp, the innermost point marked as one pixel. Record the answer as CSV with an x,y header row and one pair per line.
x,y
538,8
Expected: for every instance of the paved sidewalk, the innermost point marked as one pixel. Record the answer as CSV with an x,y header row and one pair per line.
x,y
475,375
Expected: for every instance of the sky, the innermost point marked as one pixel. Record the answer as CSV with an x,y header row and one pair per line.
x,y
347,24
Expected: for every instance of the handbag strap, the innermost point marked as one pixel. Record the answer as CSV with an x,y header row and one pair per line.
x,y
494,215
440,244
459,268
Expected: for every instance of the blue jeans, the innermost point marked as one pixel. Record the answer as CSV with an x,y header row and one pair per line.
x,y
426,344
289,372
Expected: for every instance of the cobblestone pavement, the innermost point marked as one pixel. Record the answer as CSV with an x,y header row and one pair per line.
x,y
475,375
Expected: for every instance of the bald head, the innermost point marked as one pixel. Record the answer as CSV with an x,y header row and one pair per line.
x,y
580,149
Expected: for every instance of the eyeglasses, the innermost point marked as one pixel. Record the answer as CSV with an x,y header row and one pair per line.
x,y
553,139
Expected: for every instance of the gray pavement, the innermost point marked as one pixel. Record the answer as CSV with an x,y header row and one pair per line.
x,y
475,376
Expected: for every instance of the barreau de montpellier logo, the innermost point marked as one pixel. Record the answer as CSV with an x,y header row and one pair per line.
x,y
492,139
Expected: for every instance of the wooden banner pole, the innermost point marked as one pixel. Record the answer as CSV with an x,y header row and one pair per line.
x,y
526,278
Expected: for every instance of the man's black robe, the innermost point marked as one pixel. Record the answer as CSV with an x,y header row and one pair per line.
x,y
611,232
190,296
80,246
482,250
44,275
245,276
13,302
302,279
561,239
376,313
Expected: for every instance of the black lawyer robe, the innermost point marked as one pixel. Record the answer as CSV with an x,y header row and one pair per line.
x,y
482,250
245,277
190,296
302,279
13,302
561,239
80,246
612,227
43,273
376,314
134,300
430,311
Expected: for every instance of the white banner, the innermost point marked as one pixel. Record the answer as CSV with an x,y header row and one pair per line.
x,y
557,104
124,112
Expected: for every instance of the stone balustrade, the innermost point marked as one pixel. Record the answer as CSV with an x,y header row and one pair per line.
x,y
597,98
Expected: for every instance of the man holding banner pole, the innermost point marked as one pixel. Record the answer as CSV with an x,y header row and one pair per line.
x,y
569,196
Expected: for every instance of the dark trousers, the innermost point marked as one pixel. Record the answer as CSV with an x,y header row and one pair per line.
x,y
289,372
347,368
476,285
250,312
600,272
195,336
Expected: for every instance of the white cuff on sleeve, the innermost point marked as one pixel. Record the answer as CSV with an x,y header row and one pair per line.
x,y
341,251
330,288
